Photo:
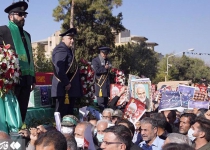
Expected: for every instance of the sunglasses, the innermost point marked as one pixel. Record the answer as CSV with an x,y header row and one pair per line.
x,y
20,14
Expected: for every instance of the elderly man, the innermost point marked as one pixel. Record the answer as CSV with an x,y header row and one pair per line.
x,y
201,132
107,114
100,127
177,138
102,66
149,129
117,115
186,121
116,138
141,95
83,136
66,83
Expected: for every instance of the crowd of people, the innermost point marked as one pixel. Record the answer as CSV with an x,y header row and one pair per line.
x,y
167,130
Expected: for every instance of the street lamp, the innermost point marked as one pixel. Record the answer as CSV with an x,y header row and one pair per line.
x,y
192,49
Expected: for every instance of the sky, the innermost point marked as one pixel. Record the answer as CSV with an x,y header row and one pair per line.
x,y
176,25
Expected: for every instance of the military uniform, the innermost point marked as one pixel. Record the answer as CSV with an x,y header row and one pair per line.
x,y
23,89
102,82
65,71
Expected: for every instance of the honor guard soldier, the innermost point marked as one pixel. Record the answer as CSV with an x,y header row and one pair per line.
x,y
20,41
66,83
101,66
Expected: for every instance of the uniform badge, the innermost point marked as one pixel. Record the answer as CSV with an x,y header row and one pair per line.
x,y
22,8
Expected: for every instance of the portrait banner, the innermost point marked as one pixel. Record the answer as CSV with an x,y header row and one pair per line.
x,y
187,93
170,100
198,104
129,91
134,110
141,90
115,90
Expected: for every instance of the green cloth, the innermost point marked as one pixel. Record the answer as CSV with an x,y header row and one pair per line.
x,y
27,68
10,119
37,116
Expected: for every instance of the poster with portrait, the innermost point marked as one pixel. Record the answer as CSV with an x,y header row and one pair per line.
x,y
187,93
200,92
170,100
115,90
129,90
198,104
134,110
141,90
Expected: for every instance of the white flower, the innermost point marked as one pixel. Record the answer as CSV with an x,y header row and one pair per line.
x,y
10,52
16,74
4,61
84,86
6,81
1,57
82,67
83,78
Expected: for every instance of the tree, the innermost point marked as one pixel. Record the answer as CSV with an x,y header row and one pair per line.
x,y
41,63
135,59
184,68
94,21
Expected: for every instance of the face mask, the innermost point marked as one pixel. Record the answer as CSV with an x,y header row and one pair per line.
x,y
80,142
190,134
100,137
67,130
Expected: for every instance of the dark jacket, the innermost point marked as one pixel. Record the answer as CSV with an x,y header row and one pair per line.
x,y
5,35
135,147
62,57
100,70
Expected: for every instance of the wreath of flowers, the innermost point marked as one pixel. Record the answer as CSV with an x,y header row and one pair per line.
x,y
119,76
9,69
87,80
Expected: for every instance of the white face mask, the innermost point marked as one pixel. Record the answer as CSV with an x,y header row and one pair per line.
x,y
80,142
67,130
190,134
100,137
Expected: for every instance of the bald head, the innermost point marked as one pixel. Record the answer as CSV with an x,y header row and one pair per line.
x,y
4,135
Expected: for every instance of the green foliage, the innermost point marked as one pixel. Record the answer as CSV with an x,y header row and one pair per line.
x,y
135,59
183,68
42,64
94,22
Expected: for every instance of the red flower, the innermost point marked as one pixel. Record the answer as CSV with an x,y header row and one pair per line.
x,y
1,83
3,66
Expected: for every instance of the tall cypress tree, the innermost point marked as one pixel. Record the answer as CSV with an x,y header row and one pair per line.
x,y
94,21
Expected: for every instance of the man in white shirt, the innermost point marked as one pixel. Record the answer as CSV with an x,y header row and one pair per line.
x,y
149,135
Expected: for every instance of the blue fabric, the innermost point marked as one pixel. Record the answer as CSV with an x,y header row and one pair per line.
x,y
156,145
137,138
146,147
